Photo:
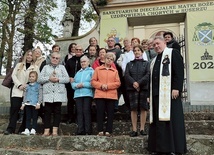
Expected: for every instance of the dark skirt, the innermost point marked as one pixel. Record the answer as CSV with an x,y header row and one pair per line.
x,y
138,99
168,136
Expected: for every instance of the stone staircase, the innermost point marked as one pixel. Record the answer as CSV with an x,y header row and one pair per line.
x,y
199,129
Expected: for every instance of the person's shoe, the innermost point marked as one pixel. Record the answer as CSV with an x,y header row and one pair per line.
x,y
143,133
46,132
133,134
32,132
69,121
81,133
55,131
7,132
26,132
107,134
100,133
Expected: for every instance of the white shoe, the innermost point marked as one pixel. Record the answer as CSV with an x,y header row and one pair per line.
x,y
32,131
26,132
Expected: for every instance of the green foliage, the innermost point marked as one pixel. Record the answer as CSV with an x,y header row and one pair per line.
x,y
101,2
43,33
13,14
89,14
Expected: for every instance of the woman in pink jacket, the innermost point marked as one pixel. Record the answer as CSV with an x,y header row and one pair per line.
x,y
105,81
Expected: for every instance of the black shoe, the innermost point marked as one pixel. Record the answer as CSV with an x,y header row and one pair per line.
x,y
143,133
133,134
70,121
7,132
81,133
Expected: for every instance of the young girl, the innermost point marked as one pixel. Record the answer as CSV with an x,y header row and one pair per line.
x,y
31,103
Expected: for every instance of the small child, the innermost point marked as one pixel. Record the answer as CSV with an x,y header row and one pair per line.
x,y
31,103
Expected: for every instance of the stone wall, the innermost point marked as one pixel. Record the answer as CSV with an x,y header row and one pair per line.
x,y
4,93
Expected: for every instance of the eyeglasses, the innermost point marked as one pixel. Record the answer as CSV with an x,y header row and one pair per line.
x,y
110,59
55,58
78,49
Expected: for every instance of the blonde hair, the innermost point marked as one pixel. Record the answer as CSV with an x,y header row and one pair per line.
x,y
34,57
110,54
23,63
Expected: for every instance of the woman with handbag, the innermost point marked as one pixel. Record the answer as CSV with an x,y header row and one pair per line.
x,y
20,78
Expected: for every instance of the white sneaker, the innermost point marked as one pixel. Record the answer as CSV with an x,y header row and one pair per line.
x,y
33,132
26,132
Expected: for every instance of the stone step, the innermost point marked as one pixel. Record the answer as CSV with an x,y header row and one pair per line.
x,y
59,152
200,127
125,116
66,145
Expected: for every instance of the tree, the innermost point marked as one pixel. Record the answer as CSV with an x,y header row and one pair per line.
x,y
10,10
29,25
37,29
76,8
80,13
16,30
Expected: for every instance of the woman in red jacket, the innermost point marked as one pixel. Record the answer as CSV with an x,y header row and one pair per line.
x,y
101,59
105,81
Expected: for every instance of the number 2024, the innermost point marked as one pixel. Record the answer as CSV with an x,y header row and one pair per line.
x,y
203,65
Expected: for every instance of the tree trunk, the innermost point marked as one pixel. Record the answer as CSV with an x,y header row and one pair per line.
x,y
75,7
29,25
8,33
3,44
13,10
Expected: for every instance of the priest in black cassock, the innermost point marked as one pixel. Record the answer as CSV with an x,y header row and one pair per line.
x,y
167,130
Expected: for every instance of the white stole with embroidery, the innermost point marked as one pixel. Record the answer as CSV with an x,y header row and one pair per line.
x,y
164,89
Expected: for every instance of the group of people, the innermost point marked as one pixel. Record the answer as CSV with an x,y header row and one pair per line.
x,y
149,76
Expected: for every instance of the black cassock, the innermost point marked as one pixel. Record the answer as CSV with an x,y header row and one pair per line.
x,y
168,136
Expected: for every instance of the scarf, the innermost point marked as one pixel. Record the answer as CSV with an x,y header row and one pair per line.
x,y
164,88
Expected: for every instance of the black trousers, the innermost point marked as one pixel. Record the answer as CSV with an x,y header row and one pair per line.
x,y
105,105
31,114
54,108
71,110
40,113
16,103
83,105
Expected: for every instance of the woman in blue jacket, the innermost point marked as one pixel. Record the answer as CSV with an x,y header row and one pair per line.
x,y
83,94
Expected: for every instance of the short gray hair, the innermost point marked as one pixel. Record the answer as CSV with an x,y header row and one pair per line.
x,y
84,58
110,54
159,37
56,53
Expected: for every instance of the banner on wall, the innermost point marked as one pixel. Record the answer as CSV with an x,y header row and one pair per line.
x,y
116,28
200,32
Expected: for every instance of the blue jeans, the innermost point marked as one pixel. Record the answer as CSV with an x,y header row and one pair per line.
x,y
83,105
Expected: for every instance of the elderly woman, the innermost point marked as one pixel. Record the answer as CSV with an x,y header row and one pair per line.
x,y
20,77
137,83
37,56
83,95
53,77
105,81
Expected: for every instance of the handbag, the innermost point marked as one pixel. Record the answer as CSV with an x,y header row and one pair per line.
x,y
8,81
